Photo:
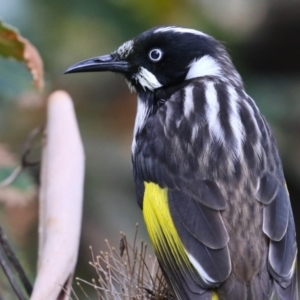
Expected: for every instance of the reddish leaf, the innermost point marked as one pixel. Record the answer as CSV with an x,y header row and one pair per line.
x,y
12,44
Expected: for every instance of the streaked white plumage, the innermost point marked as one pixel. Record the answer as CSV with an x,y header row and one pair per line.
x,y
205,66
235,121
140,119
125,49
212,113
147,79
188,105
179,30
206,278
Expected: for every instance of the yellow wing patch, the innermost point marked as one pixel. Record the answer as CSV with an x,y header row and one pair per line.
x,y
161,229
163,234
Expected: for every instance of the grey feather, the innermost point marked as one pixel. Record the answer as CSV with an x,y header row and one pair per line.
x,y
206,227
290,292
267,189
276,215
208,193
204,224
282,255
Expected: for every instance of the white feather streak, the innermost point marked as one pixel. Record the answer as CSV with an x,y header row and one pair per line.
x,y
125,49
235,121
212,113
140,119
130,86
188,107
257,146
205,66
199,269
179,30
195,131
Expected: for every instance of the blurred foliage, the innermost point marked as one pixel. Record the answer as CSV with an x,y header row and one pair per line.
x,y
23,182
17,189
10,45
261,36
13,45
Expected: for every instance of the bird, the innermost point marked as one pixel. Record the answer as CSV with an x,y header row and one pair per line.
x,y
207,171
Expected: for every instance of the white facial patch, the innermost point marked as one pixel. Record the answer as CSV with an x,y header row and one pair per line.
x,y
205,66
130,86
125,49
147,79
179,30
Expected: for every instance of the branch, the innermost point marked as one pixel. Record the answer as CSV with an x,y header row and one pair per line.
x,y
11,178
11,277
27,148
61,196
16,264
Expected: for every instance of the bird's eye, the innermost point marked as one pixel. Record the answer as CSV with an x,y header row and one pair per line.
x,y
155,55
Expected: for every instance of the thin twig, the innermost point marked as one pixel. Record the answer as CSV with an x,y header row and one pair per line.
x,y
78,284
15,262
124,274
10,276
12,177
27,148
10,255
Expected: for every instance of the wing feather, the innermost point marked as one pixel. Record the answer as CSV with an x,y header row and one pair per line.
x,y
208,193
267,189
201,222
204,237
282,254
276,215
290,292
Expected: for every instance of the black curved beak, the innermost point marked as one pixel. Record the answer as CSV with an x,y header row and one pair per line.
x,y
99,64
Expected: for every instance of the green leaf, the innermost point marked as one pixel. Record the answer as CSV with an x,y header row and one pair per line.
x,y
10,43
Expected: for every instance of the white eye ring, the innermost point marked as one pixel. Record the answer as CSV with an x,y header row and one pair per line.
x,y
155,55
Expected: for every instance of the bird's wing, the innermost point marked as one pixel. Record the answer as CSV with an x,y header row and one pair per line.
x,y
279,226
193,203
203,235
278,220
177,232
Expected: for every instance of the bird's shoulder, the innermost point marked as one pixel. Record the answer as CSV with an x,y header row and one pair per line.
x,y
199,123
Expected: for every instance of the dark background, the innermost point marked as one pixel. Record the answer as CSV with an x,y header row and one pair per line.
x,y
261,36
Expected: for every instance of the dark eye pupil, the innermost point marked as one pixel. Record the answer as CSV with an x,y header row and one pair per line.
x,y
155,54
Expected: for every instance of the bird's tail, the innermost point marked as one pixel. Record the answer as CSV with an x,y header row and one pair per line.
x,y
261,287
290,292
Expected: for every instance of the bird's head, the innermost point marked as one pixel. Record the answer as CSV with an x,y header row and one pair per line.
x,y
165,56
